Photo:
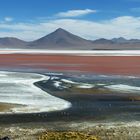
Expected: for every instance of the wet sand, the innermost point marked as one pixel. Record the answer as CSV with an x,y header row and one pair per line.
x,y
7,107
121,65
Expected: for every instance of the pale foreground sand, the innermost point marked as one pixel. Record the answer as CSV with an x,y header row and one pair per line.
x,y
106,131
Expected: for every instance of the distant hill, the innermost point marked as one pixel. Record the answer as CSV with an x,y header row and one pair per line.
x,y
122,40
10,42
61,39
103,41
119,40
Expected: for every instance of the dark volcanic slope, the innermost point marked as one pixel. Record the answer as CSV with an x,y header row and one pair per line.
x,y
61,39
10,42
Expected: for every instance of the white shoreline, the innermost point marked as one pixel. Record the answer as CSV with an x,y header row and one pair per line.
x,y
73,52
124,88
18,88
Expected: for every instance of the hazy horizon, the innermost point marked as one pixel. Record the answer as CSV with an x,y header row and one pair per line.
x,y
30,20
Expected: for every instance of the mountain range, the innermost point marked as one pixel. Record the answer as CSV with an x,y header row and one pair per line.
x,y
64,40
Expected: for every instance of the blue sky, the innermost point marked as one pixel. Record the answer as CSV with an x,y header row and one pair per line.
x,y
23,10
91,19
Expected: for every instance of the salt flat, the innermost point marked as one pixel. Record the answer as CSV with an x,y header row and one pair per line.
x,y
73,52
18,88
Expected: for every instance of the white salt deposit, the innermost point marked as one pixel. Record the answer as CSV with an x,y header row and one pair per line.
x,y
57,84
19,88
124,88
86,86
74,52
68,81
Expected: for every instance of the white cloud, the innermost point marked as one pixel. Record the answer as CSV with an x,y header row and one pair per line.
x,y
75,13
8,19
125,26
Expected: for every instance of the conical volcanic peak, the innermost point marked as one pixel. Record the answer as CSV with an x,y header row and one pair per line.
x,y
61,38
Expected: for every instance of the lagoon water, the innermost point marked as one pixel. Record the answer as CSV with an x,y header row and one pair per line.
x,y
69,97
96,97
